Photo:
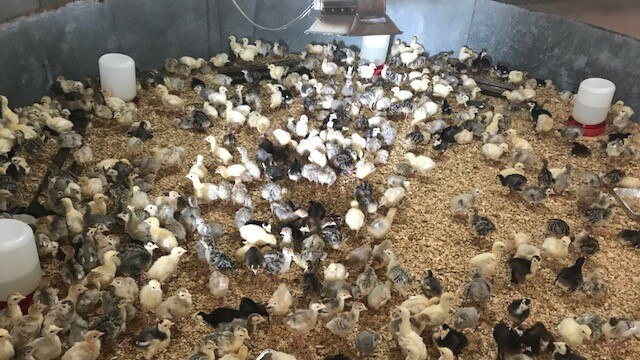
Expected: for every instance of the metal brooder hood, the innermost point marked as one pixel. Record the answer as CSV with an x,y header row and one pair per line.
x,y
353,18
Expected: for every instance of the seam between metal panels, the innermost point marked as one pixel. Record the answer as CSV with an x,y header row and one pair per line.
x,y
208,29
220,42
473,16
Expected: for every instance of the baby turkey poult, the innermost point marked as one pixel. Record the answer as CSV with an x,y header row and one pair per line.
x,y
367,342
154,339
175,307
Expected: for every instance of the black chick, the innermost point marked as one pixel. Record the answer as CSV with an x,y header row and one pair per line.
x,y
501,71
253,259
538,339
570,278
134,259
613,177
195,82
273,172
439,145
586,244
596,215
229,141
448,134
535,110
16,170
558,228
315,212
141,131
201,121
414,138
509,340
545,178
618,136
448,337
295,170
337,357
580,150
481,225
248,307
514,181
221,315
630,237
310,283
521,268
519,310
477,104
431,286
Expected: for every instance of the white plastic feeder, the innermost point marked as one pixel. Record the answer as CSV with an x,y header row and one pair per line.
x,y
592,104
19,263
375,48
118,75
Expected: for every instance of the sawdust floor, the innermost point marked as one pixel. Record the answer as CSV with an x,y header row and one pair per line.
x,y
425,235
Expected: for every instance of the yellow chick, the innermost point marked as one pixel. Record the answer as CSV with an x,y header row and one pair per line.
x,y
422,164
233,172
151,295
544,123
175,307
417,303
11,315
57,124
29,327
160,236
354,217
166,266
6,349
410,342
74,218
493,151
99,204
572,332
114,103
281,301
487,262
125,288
219,60
555,248
107,270
446,354
173,102
518,168
221,154
517,142
218,284
47,347
89,349
438,313
382,225
275,72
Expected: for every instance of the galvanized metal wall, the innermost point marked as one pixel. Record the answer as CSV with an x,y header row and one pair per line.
x,y
68,41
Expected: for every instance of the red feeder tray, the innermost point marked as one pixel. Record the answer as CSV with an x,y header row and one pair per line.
x,y
589,130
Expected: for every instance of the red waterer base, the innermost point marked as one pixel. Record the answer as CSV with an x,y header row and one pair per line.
x,y
589,130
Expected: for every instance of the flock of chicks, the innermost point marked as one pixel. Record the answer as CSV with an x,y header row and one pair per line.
x,y
92,201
